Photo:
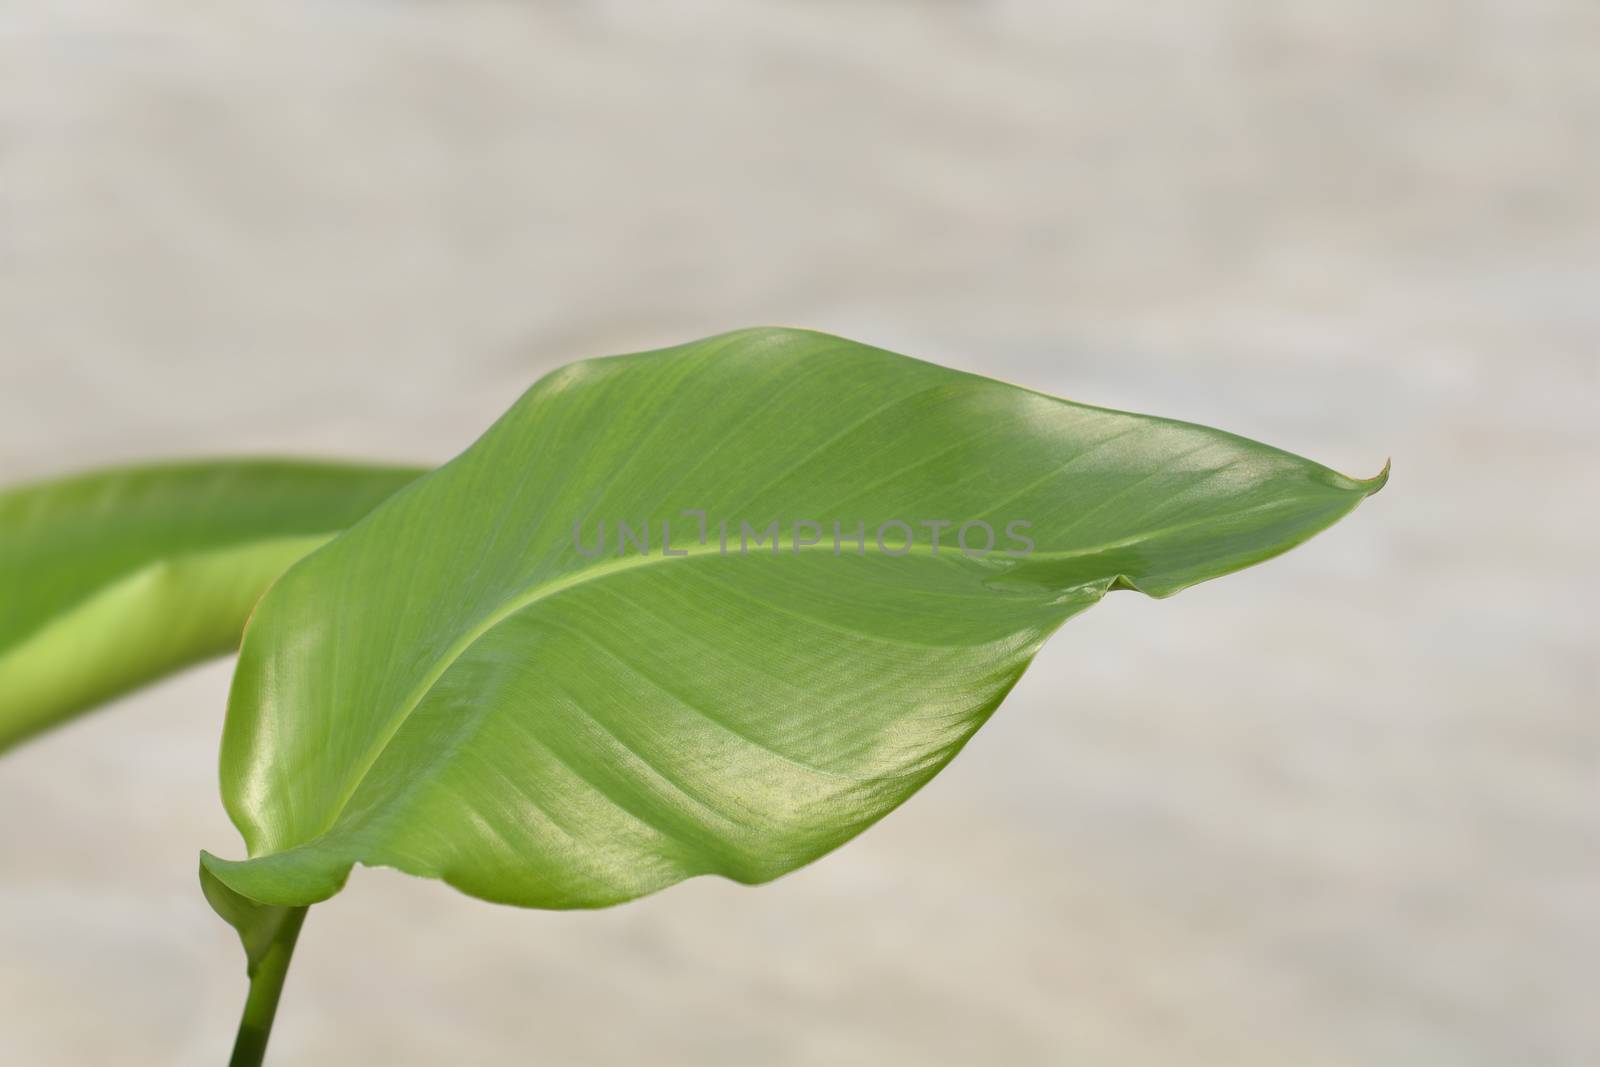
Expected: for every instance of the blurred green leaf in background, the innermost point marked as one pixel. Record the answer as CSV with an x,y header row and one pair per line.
x,y
111,579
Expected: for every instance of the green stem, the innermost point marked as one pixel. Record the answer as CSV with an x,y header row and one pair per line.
x,y
266,985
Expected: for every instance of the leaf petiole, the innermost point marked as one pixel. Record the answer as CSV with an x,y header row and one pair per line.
x,y
266,985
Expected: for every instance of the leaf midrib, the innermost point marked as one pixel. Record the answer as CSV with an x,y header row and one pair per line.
x,y
623,564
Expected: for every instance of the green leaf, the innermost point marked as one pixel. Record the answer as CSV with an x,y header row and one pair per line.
x,y
454,689
114,578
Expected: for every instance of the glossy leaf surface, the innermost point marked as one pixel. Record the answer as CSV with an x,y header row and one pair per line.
x,y
458,689
111,579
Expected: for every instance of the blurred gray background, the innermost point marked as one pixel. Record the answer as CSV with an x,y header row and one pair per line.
x,y
1339,810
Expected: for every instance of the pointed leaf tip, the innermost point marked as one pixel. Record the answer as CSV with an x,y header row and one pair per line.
x,y
1378,481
